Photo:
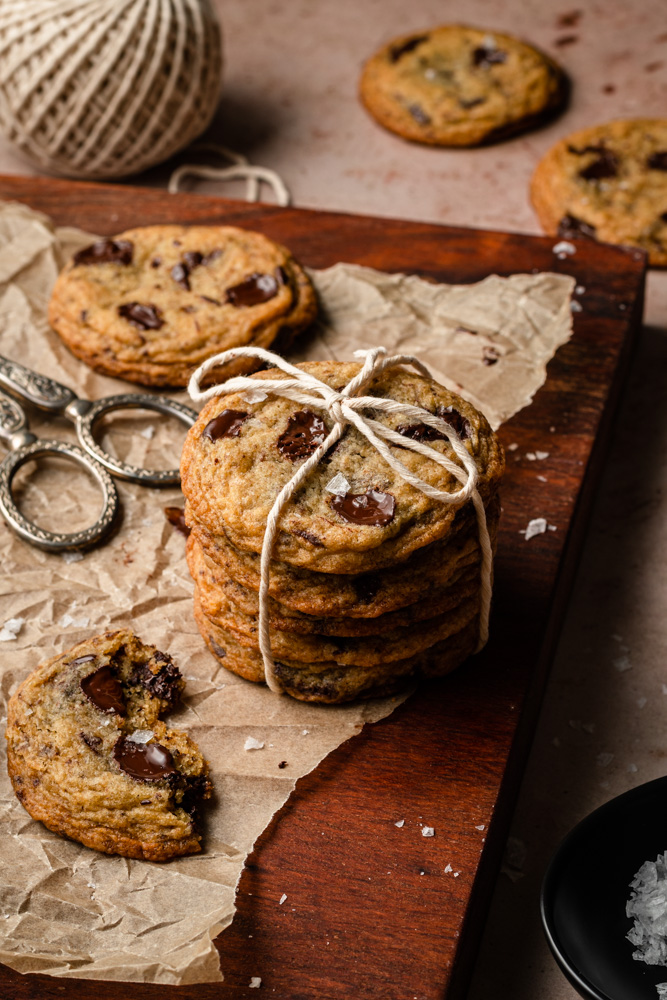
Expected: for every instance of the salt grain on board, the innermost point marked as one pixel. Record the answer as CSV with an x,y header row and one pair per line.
x,y
11,629
428,831
252,744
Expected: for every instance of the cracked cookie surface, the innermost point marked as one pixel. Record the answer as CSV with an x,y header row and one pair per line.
x,y
460,86
152,303
89,756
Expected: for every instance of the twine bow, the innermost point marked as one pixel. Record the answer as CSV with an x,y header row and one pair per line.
x,y
346,407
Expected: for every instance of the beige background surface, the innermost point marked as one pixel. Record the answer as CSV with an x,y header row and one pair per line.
x,y
290,103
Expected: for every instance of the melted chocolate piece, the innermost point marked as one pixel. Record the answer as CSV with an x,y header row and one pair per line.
x,y
366,587
165,683
308,537
305,433
663,217
397,51
487,57
566,40
92,741
282,276
570,228
422,432
226,425
282,763
103,688
146,317
181,275
144,761
192,259
605,166
156,261
253,290
419,114
372,507
207,298
472,103
451,416
181,272
176,517
106,252
218,650
657,161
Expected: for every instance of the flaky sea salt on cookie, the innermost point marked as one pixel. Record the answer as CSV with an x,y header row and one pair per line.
x,y
89,756
238,456
607,183
152,303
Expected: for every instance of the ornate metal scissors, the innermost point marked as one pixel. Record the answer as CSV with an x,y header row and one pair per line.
x,y
54,398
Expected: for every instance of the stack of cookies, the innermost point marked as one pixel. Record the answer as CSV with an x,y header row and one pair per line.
x,y
372,583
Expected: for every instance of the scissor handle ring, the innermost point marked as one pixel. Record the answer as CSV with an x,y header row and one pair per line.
x,y
85,426
31,532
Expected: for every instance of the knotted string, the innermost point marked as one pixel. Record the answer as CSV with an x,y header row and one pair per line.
x,y
346,407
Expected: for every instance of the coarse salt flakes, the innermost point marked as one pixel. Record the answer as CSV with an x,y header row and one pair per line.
x,y
448,868
254,396
579,290
255,982
11,629
632,768
252,744
338,485
480,827
68,619
541,455
141,736
564,249
622,663
576,307
282,899
604,759
513,446
542,479
428,831
400,823
304,732
641,702
537,526
148,432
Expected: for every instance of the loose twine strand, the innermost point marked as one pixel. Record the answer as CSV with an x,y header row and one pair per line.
x,y
241,169
345,407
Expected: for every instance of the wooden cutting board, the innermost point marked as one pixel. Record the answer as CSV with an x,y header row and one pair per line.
x,y
373,914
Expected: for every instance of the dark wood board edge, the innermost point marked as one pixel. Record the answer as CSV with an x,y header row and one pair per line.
x,y
479,248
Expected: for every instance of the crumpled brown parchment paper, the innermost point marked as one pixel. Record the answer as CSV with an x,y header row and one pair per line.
x,y
66,910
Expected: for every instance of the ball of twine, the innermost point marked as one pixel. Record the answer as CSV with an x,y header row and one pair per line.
x,y
106,88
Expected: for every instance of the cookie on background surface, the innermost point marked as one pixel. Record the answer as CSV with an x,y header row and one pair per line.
x,y
152,303
89,757
609,183
461,86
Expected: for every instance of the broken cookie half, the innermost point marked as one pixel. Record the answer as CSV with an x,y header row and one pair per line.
x,y
89,756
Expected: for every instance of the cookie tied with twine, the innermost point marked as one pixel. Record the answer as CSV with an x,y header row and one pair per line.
x,y
107,88
263,454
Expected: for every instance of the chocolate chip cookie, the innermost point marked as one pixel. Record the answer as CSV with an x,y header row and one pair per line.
x,y
460,86
89,756
151,304
608,183
331,683
240,454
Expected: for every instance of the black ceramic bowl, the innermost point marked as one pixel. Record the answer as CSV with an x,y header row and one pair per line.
x,y
587,886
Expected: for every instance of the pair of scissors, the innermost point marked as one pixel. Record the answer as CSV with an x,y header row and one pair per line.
x,y
56,399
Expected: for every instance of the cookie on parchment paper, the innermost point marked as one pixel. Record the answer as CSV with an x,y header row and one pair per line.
x,y
461,86
89,756
152,303
609,183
